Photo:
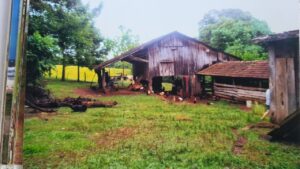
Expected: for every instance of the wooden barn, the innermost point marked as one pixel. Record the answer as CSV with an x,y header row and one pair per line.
x,y
172,55
284,73
238,80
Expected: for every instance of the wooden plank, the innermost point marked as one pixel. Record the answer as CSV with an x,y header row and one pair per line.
x,y
281,91
17,134
137,59
240,94
166,69
239,87
5,14
272,82
291,87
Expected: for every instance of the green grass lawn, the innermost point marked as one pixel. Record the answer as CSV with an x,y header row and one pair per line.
x,y
146,132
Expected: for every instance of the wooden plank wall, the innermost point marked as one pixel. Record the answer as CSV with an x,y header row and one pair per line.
x,y
175,56
5,14
188,56
239,93
284,79
272,81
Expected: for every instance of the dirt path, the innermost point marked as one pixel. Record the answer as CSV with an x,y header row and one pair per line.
x,y
86,92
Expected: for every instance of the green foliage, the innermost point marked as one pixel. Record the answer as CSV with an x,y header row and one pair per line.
x,y
71,23
146,132
41,56
122,44
232,31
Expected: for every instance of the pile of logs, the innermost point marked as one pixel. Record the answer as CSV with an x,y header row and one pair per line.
x,y
239,93
39,99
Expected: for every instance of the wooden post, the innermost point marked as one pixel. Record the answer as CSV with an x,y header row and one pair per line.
x,y
78,73
204,85
103,80
12,138
212,86
18,102
5,15
272,82
150,87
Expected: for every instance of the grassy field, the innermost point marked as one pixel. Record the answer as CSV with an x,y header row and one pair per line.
x,y
146,132
86,74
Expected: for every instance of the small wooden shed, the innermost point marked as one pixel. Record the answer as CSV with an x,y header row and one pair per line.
x,y
284,73
239,80
172,55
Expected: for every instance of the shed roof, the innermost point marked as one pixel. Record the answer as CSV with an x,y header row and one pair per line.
x,y
148,44
238,69
277,37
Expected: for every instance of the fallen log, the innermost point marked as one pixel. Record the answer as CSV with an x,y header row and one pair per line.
x,y
93,104
32,105
40,99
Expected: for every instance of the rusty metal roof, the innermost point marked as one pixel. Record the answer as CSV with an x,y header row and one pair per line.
x,y
147,44
277,37
238,69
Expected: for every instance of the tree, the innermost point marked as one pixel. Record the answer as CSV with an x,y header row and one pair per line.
x,y
71,24
232,30
42,54
121,44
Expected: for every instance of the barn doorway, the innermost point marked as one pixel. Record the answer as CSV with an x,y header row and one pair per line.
x,y
169,84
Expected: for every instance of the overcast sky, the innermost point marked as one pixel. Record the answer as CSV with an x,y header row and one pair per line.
x,y
153,18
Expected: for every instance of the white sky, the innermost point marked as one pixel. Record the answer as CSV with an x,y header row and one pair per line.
x,y
153,18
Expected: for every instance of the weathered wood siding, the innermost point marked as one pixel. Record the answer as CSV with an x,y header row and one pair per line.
x,y
284,79
239,93
177,56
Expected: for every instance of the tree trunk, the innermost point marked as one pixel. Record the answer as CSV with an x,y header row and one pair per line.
x,y
50,73
78,73
63,78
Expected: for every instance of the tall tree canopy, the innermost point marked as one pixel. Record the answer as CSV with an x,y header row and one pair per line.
x,y
126,41
232,30
66,25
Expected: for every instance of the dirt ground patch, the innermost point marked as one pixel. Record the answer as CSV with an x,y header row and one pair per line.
x,y
245,108
112,138
239,145
92,93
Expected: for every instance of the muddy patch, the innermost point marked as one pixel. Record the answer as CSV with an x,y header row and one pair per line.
x,y
93,93
112,138
239,145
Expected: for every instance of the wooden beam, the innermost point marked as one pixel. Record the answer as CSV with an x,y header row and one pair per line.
x,y
18,106
5,15
137,59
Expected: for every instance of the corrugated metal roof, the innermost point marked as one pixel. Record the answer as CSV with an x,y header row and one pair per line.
x,y
241,69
